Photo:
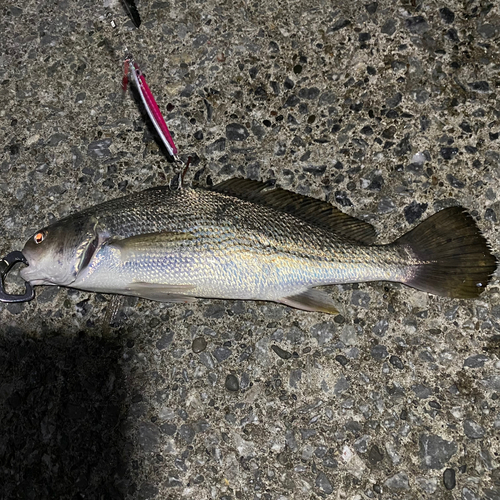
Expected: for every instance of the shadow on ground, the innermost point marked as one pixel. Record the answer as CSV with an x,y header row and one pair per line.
x,y
63,405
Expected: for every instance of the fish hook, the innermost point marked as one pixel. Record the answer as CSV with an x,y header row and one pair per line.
x,y
177,181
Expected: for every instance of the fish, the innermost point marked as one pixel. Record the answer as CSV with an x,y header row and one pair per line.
x,y
249,240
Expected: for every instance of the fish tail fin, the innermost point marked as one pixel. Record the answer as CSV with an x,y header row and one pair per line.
x,y
454,258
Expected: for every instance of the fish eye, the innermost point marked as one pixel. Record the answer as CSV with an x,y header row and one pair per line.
x,y
39,237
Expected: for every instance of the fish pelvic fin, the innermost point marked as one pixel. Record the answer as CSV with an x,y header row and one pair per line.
x,y
311,300
453,257
161,292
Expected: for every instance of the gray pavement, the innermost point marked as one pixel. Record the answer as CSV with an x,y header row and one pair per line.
x,y
389,110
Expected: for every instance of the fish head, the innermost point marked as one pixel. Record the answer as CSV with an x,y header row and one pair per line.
x,y
57,253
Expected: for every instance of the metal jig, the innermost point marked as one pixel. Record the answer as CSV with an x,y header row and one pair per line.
x,y
150,104
131,68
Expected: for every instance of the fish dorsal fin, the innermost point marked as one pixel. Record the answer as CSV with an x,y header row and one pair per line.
x,y
310,210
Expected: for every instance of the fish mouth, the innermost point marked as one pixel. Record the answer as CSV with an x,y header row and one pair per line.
x,y
37,272
40,282
26,274
32,275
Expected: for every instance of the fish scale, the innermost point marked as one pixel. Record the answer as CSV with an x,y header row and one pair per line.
x,y
244,240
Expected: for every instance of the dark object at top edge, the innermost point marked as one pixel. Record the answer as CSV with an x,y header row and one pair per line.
x,y
131,9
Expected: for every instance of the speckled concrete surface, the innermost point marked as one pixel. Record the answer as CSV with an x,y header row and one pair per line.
x,y
388,109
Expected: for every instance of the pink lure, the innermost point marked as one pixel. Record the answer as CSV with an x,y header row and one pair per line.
x,y
150,104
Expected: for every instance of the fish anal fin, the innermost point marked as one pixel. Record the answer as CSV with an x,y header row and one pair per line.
x,y
310,210
161,292
311,300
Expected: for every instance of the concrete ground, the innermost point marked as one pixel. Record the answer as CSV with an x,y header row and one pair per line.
x,y
389,110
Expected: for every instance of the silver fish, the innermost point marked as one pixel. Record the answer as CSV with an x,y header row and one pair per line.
x,y
243,239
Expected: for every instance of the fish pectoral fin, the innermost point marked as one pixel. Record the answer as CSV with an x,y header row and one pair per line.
x,y
161,292
311,300
155,242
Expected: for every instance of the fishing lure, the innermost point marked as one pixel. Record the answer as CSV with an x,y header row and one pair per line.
x,y
149,102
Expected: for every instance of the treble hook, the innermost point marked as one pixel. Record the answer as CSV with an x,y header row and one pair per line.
x,y
5,266
177,182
